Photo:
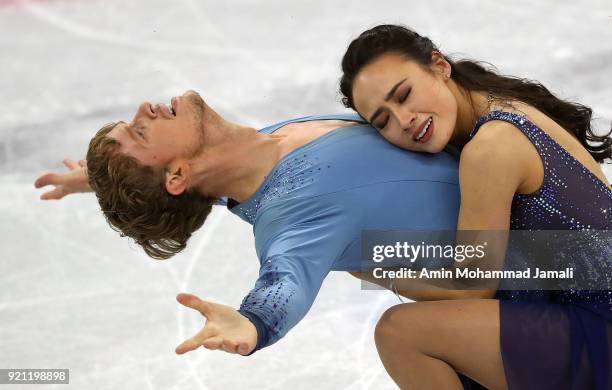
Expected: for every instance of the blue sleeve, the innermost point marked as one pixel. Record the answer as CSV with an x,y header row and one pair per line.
x,y
294,264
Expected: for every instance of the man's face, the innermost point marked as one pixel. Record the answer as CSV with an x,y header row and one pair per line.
x,y
159,134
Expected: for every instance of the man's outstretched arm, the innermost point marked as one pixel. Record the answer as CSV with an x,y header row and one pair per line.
x,y
71,182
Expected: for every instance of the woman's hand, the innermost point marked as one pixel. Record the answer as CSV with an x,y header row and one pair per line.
x,y
71,182
225,329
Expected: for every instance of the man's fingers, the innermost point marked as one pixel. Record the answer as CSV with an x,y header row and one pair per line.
x,y
83,163
230,346
187,345
71,164
238,347
50,179
208,335
57,193
243,348
213,343
196,303
45,180
190,344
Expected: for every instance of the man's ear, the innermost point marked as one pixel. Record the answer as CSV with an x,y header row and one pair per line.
x,y
177,177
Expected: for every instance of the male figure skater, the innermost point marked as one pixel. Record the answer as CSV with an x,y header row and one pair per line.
x,y
308,186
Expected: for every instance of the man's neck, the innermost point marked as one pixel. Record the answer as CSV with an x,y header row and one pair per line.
x,y
237,165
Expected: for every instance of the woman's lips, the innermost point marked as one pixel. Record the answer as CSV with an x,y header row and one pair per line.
x,y
427,134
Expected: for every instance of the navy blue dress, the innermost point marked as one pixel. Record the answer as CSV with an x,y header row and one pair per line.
x,y
556,339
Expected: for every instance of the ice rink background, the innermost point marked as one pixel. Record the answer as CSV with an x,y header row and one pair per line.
x,y
73,294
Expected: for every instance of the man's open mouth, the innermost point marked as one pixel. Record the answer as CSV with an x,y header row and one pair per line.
x,y
171,106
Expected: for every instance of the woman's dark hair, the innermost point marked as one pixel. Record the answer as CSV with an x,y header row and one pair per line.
x,y
471,76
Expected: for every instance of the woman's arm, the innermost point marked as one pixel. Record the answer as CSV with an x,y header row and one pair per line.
x,y
426,291
492,167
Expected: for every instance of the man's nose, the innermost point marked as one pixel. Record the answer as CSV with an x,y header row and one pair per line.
x,y
145,110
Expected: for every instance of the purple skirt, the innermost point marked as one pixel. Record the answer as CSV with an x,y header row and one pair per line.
x,y
554,346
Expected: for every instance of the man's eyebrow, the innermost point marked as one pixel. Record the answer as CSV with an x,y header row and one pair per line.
x,y
387,97
132,134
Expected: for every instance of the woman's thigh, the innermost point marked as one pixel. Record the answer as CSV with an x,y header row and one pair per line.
x,y
463,333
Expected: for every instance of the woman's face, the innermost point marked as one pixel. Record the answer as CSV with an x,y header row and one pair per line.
x,y
411,106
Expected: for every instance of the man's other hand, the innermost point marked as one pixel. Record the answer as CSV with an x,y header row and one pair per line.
x,y
225,328
73,181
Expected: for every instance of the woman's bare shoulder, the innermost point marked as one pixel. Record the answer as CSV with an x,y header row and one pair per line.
x,y
502,141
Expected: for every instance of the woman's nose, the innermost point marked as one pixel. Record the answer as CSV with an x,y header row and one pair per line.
x,y
406,119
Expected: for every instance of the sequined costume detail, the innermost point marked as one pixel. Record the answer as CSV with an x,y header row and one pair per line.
x,y
557,339
309,212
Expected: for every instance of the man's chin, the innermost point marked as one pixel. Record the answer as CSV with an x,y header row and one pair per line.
x,y
191,92
195,98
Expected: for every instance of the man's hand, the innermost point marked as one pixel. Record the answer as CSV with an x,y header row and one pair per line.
x,y
225,329
67,183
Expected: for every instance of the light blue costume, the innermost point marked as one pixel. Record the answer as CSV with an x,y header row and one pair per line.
x,y
309,212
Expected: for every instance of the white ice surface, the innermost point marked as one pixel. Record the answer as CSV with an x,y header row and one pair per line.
x,y
73,294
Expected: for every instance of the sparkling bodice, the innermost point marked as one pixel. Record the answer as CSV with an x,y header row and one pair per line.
x,y
570,198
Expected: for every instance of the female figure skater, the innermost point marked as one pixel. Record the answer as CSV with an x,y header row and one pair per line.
x,y
529,160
